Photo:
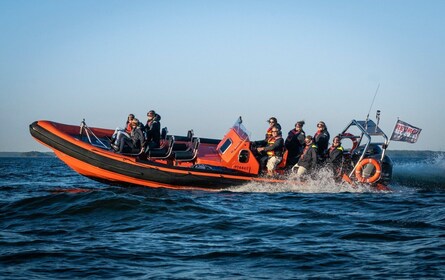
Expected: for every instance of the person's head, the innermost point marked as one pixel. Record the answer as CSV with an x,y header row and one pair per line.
x,y
299,125
336,141
272,121
134,122
308,140
130,117
321,125
275,131
151,114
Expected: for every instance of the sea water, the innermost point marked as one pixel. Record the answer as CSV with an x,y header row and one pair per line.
x,y
56,224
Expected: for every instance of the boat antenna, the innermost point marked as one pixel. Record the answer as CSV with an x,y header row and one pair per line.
x,y
372,103
377,116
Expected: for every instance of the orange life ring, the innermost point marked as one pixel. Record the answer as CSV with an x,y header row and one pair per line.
x,y
353,139
361,165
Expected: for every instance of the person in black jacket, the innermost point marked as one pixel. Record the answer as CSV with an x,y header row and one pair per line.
x,y
135,143
295,143
335,156
153,130
308,159
321,139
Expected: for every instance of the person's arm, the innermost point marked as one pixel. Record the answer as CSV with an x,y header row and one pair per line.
x,y
276,145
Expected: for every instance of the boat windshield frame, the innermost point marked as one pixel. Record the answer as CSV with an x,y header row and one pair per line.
x,y
241,130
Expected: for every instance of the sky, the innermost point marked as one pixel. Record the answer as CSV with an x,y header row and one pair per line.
x,y
201,64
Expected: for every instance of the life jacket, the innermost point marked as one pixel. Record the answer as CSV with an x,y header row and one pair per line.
x,y
316,135
270,142
307,148
269,133
128,128
340,148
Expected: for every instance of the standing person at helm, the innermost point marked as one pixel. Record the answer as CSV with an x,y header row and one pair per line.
x,y
321,139
295,143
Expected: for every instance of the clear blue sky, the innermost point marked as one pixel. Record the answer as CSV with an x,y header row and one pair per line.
x,y
201,64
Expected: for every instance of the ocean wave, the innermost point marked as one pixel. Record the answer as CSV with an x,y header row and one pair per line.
x,y
425,171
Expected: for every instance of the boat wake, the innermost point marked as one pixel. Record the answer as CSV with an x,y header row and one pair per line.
x,y
322,182
416,170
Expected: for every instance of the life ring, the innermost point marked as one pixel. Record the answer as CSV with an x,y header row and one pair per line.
x,y
362,164
352,138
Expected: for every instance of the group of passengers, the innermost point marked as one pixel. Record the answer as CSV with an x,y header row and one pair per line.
x,y
304,152
136,138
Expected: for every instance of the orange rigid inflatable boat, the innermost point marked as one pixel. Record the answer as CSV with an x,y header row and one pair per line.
x,y
188,162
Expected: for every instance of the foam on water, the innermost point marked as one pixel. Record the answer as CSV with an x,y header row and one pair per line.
x,y
424,172
321,182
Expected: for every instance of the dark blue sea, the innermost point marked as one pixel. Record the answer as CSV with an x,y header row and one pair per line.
x,y
56,224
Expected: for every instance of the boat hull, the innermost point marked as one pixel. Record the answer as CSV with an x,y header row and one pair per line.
x,y
111,168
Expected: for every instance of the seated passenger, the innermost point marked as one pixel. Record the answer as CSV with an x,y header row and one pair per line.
x,y
273,150
308,159
119,134
135,143
153,130
272,122
335,156
295,143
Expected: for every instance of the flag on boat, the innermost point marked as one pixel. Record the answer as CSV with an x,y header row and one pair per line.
x,y
405,132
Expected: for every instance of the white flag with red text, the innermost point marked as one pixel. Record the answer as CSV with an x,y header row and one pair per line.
x,y
405,132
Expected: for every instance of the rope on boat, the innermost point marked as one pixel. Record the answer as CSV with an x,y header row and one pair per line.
x,y
84,127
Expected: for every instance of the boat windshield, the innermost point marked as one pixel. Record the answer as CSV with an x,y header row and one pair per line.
x,y
239,128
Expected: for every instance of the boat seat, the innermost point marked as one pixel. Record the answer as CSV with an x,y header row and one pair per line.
x,y
180,147
189,154
190,135
188,142
162,152
283,162
164,132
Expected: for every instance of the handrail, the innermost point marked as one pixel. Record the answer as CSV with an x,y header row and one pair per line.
x,y
84,127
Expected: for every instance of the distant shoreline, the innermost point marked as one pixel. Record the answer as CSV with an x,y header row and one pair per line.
x,y
32,154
